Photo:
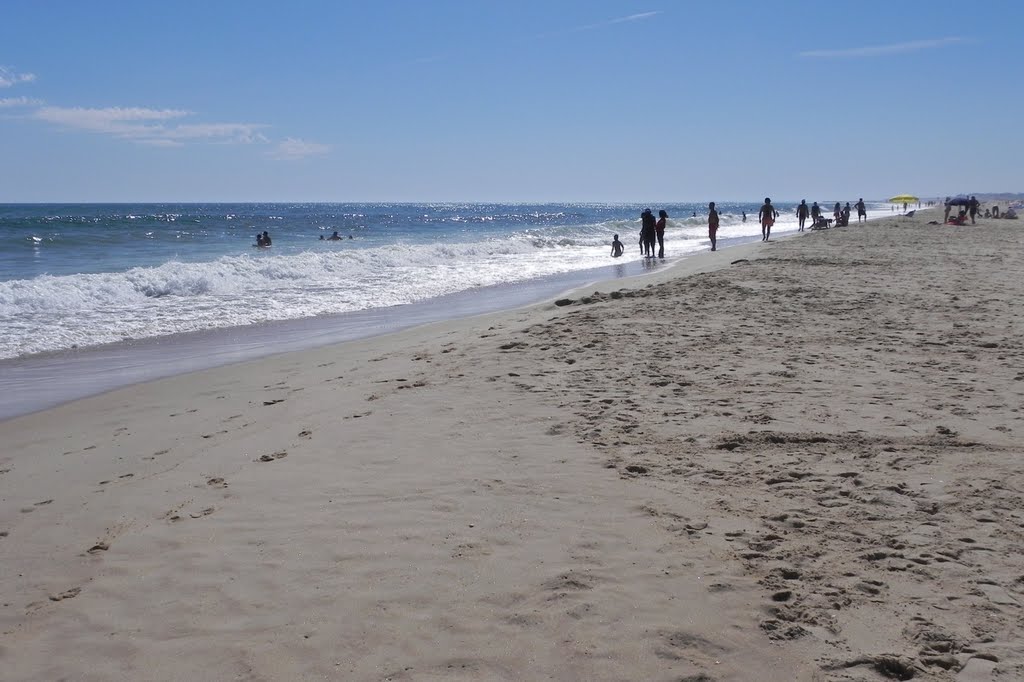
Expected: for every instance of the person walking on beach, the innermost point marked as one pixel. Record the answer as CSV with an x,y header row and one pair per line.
x,y
712,225
647,232
659,230
616,247
862,211
767,216
972,208
837,213
801,214
945,217
815,212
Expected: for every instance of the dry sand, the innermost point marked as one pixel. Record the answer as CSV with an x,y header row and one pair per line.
x,y
790,461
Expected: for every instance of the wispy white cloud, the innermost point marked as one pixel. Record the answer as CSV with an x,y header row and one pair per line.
x,y
149,126
7,102
160,143
9,77
880,50
293,148
639,16
115,120
632,17
246,133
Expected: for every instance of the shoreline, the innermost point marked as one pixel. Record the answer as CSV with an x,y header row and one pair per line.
x,y
792,461
44,381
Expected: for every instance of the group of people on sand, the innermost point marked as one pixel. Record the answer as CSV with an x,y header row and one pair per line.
x,y
652,231
840,214
971,209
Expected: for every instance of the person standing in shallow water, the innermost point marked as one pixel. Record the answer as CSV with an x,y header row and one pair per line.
x,y
862,211
659,230
767,216
801,214
616,247
647,232
712,225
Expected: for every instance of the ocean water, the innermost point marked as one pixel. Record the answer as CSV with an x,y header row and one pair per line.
x,y
77,276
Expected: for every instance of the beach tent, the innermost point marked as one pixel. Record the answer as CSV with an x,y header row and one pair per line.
x,y
903,199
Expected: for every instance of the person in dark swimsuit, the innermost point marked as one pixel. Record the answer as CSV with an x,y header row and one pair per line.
x,y
616,247
647,232
712,225
767,216
659,231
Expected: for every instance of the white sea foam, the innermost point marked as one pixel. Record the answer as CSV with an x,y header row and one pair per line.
x,y
55,312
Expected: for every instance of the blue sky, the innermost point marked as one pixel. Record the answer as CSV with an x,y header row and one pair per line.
x,y
477,100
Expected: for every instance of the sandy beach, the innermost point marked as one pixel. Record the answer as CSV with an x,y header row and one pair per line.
x,y
797,460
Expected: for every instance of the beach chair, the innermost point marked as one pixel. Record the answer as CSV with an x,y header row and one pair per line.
x,y
910,214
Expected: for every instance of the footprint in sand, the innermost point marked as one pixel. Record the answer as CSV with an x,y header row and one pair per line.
x,y
204,512
217,483
66,594
271,458
99,547
273,402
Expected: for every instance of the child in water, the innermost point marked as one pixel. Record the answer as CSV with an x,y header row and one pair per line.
x,y
616,247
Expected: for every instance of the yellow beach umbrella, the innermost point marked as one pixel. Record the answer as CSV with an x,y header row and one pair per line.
x,y
903,199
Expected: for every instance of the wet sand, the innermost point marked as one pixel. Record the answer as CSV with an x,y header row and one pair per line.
x,y
791,461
